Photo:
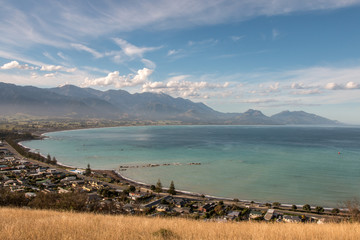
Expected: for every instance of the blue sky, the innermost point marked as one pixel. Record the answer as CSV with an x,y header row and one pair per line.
x,y
232,55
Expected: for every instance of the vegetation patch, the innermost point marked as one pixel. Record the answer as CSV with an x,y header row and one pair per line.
x,y
165,234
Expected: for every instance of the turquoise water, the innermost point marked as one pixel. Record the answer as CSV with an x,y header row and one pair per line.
x,y
294,165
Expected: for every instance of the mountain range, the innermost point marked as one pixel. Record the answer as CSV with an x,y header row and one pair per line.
x,y
81,103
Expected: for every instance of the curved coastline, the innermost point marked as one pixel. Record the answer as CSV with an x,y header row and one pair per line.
x,y
139,182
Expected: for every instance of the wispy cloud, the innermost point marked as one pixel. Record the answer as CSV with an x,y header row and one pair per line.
x,y
275,34
236,38
81,47
76,21
206,42
173,52
133,51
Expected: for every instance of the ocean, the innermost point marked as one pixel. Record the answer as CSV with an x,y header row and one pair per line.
x,y
286,164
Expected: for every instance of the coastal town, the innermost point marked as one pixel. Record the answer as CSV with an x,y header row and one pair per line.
x,y
27,182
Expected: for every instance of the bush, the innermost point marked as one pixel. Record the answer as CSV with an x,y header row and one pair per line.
x,y
307,208
319,209
335,211
276,204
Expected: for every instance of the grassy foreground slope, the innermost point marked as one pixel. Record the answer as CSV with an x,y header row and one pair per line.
x,y
44,224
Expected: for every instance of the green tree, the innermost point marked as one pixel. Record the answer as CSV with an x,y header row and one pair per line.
x,y
54,161
87,170
276,204
158,187
293,207
307,208
131,188
319,209
152,187
172,190
335,211
48,159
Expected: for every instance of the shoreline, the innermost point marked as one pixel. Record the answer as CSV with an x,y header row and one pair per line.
x,y
185,192
211,197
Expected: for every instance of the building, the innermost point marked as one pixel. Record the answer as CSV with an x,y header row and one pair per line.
x,y
269,214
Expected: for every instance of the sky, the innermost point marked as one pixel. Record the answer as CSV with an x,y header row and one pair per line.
x,y
231,55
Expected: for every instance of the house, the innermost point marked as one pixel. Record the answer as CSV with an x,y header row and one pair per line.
x,y
207,207
136,195
128,208
52,170
69,178
182,210
41,169
77,171
232,215
291,219
269,214
162,208
255,214
179,202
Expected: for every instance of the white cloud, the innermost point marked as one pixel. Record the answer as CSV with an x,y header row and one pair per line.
x,y
172,52
206,42
148,63
347,86
73,20
81,47
49,75
178,86
61,55
115,79
50,68
132,50
10,65
15,64
352,85
306,92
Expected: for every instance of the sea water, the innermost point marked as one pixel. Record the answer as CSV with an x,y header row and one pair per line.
x,y
287,164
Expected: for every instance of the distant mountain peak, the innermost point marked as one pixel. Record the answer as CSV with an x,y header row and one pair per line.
x,y
253,112
75,102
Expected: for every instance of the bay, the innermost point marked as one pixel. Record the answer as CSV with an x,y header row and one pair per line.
x,y
288,164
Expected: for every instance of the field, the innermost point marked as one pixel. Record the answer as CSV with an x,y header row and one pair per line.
x,y
44,224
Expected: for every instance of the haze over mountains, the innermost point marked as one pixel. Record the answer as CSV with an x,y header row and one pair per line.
x,y
80,103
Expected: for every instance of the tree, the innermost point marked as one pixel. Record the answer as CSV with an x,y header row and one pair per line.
x,y
48,159
354,209
87,170
319,209
152,187
158,187
335,211
276,204
131,188
293,207
172,190
54,161
307,208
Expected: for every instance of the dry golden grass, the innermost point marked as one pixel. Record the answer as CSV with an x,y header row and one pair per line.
x,y
41,224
